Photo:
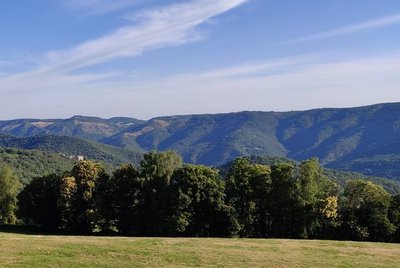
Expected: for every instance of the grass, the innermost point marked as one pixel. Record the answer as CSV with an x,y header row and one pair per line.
x,y
19,250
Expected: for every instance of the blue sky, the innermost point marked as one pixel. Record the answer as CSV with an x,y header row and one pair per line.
x,y
145,58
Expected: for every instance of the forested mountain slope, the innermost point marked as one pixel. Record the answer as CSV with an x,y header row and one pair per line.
x,y
71,148
28,164
363,139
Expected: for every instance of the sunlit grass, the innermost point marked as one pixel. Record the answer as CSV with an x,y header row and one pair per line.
x,y
18,250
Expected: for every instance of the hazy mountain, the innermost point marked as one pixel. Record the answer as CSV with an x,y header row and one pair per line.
x,y
362,139
92,128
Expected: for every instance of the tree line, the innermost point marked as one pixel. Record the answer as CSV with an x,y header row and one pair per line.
x,y
164,197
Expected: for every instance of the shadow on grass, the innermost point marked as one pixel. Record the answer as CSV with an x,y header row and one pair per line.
x,y
35,230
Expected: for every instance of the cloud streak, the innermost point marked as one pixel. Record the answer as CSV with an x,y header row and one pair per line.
x,y
164,27
281,84
152,29
354,28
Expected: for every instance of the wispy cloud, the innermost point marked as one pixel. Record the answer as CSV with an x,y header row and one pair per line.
x,y
157,28
163,27
280,84
346,30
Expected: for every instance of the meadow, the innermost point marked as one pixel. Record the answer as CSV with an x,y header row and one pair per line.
x,y
21,250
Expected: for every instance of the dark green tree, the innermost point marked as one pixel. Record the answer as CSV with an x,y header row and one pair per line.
x,y
104,198
284,201
394,216
127,202
156,170
197,207
364,211
9,187
38,202
247,189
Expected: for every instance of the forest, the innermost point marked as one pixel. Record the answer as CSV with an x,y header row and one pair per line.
x,y
162,196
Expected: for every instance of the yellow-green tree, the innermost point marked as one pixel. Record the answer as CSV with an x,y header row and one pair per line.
x,y
9,187
77,196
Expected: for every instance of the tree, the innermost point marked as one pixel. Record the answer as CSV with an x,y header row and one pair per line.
x,y
394,216
77,196
159,166
9,187
126,204
247,189
156,170
283,201
197,207
316,196
364,211
104,202
38,202
67,191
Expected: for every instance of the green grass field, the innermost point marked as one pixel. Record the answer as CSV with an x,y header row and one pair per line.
x,y
17,250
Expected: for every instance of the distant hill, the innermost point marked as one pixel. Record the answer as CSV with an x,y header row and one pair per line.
x,y
362,139
92,128
71,148
28,164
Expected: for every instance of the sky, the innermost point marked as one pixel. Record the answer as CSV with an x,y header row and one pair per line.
x,y
148,58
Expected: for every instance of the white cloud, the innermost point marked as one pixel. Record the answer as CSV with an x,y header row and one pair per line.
x,y
157,28
52,87
359,27
281,84
291,84
169,26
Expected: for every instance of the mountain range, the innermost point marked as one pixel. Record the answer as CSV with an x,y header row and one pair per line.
x,y
361,139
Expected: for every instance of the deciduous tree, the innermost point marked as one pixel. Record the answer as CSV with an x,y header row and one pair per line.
x,y
364,211
247,189
9,187
197,206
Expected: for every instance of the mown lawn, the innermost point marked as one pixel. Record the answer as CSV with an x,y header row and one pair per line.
x,y
17,250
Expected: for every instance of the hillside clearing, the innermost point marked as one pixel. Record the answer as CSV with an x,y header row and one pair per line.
x,y
18,250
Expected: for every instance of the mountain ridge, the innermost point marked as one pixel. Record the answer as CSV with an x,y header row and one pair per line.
x,y
362,139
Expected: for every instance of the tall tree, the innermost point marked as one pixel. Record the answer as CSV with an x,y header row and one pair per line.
x,y
284,201
9,187
394,216
77,196
247,189
126,189
67,190
156,170
315,194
